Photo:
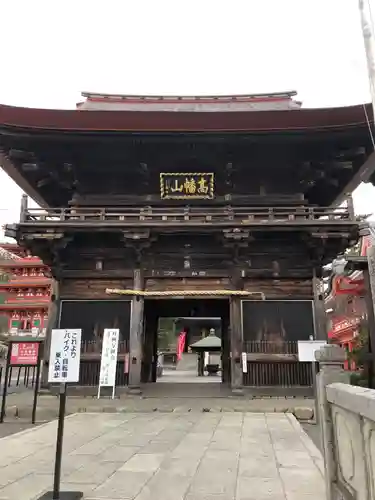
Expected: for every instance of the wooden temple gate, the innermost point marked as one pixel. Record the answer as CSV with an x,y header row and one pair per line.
x,y
199,205
272,365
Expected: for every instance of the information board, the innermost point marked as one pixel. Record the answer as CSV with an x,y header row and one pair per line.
x,y
108,362
307,348
244,362
65,355
24,353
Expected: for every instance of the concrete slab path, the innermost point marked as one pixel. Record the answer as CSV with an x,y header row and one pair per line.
x,y
171,456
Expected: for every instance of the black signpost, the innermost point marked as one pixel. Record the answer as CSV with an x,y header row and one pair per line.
x,y
56,494
23,352
62,348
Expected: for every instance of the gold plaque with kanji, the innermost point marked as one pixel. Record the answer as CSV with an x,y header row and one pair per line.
x,y
186,186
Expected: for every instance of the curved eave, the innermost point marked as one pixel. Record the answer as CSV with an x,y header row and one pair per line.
x,y
24,284
17,177
345,335
299,120
24,306
20,264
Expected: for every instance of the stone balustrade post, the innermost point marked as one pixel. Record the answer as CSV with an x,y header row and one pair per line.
x,y
331,358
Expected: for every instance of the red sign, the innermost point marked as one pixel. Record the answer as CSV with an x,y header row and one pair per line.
x,y
24,353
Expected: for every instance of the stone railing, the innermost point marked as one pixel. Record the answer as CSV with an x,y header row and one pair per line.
x,y
346,415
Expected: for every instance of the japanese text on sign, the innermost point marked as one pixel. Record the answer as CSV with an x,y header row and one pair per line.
x,y
24,353
65,356
108,363
190,185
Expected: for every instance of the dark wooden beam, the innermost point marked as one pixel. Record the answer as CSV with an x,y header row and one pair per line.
x,y
21,181
363,175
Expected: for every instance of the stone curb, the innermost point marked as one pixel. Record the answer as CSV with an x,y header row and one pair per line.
x,y
308,444
301,414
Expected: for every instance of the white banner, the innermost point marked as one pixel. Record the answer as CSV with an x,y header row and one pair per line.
x,y
108,363
65,355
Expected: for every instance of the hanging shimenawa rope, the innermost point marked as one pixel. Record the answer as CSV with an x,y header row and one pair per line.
x,y
180,293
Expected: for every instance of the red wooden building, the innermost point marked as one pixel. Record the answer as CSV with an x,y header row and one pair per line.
x,y
27,290
345,303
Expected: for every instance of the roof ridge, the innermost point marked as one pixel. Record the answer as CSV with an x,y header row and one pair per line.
x,y
286,94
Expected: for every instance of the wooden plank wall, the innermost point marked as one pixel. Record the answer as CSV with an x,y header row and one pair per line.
x,y
282,289
92,288
187,284
71,288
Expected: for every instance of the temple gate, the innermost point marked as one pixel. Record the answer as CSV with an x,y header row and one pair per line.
x,y
228,208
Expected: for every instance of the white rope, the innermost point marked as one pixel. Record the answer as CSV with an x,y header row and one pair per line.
x,y
181,293
371,18
369,125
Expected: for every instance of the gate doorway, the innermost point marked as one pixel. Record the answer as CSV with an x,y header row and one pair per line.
x,y
165,321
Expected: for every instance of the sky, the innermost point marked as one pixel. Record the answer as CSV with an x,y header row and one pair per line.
x,y
51,51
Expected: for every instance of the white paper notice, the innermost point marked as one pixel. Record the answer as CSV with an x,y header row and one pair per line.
x,y
65,355
307,348
108,363
244,362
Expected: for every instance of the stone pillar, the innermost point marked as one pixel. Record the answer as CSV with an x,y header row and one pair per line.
x,y
369,279
136,335
236,343
331,359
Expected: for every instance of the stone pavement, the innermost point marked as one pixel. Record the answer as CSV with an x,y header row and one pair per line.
x,y
167,456
20,405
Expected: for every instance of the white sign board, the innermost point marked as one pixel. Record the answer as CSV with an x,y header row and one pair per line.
x,y
64,356
244,362
108,362
307,348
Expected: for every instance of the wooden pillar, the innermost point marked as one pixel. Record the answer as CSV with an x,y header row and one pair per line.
x,y
52,322
319,306
350,206
200,364
236,344
149,361
23,208
136,334
225,354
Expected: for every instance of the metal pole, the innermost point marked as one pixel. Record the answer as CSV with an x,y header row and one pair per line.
x,y
36,388
59,443
368,39
5,385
